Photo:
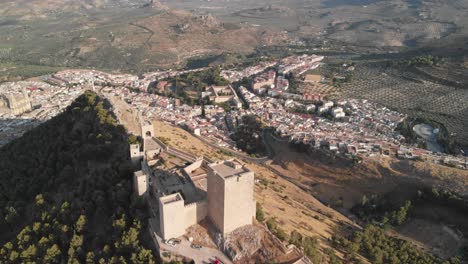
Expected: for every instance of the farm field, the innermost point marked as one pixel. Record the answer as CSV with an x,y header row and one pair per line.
x,y
414,94
130,36
139,36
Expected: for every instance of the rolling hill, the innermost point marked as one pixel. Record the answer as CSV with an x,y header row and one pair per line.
x,y
133,35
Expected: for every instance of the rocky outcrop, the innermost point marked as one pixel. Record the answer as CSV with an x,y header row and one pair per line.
x,y
251,244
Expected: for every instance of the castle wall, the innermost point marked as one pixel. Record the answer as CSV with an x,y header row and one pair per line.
x,y
135,154
192,167
229,205
147,131
175,217
195,212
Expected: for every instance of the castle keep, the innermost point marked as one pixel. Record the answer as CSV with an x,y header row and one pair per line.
x,y
221,192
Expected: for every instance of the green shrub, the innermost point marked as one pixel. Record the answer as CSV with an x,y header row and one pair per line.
x,y
281,234
259,215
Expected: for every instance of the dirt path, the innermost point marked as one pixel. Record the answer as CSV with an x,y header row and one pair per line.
x,y
147,30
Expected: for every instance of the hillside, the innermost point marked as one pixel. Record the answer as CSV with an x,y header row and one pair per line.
x,y
131,36
390,182
66,191
297,217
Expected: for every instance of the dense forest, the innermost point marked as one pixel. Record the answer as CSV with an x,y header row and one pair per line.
x,y
66,191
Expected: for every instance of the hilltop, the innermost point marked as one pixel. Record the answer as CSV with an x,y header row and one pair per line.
x,y
66,191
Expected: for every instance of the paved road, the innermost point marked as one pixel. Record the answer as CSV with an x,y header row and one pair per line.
x,y
200,256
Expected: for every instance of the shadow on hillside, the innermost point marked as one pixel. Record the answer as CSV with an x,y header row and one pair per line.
x,y
14,128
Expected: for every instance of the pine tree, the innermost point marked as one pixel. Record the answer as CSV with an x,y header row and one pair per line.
x,y
80,224
29,254
53,254
90,257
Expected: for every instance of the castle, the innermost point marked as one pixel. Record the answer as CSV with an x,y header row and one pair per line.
x,y
227,202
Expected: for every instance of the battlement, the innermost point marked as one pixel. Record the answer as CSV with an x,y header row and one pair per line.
x,y
147,130
245,176
195,204
228,168
171,198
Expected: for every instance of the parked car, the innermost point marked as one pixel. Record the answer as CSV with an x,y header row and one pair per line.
x,y
170,243
195,246
174,241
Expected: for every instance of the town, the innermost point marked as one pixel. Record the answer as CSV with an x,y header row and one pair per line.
x,y
350,127
26,104
196,189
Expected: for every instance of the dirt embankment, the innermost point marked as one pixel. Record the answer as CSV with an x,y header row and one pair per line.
x,y
341,185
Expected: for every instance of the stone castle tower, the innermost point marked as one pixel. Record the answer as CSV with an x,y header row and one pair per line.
x,y
231,201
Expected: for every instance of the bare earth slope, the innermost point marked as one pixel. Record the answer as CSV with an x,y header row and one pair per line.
x,y
330,179
341,185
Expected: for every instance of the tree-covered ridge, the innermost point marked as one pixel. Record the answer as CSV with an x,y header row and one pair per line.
x,y
78,159
383,210
55,236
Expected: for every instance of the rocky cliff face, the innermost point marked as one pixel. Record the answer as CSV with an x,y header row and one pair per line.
x,y
252,244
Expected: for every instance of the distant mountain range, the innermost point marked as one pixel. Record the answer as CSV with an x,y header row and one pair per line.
x,y
144,35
